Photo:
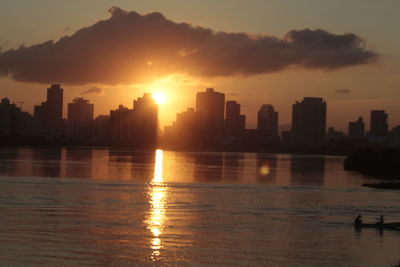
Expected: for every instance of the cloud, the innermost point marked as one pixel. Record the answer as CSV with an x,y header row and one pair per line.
x,y
94,91
343,91
129,48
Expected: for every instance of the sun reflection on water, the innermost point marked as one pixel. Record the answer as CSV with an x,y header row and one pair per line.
x,y
157,191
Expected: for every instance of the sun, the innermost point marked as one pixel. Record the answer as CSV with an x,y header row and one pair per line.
x,y
159,97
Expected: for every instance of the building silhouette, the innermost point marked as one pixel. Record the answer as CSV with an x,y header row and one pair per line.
x,y
183,132
145,116
235,123
101,130
267,121
13,121
356,128
211,125
309,122
80,118
121,124
135,127
379,125
210,109
332,134
49,113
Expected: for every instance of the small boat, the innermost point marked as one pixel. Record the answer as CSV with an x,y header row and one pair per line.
x,y
392,225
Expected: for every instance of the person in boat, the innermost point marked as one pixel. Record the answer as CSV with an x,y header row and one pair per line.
x,y
358,220
380,220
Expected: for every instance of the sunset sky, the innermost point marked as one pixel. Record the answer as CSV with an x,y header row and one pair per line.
x,y
347,52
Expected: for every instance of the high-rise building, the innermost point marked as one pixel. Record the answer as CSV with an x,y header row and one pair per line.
x,y
145,111
136,127
121,124
183,132
356,128
234,121
13,121
49,113
379,125
80,117
267,121
309,122
210,108
55,103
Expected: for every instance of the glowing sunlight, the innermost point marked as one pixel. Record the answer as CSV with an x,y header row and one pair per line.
x,y
156,219
159,97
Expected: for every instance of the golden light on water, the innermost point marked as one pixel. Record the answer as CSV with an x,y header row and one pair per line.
x,y
157,191
264,170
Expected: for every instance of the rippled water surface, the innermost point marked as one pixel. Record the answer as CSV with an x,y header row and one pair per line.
x,y
77,207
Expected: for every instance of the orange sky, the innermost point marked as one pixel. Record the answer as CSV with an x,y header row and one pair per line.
x,y
370,86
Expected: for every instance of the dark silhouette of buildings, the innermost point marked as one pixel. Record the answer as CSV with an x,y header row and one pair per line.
x,y
206,127
101,130
267,121
13,121
235,123
145,112
356,128
135,127
212,125
80,118
309,122
379,125
49,113
182,134
333,134
210,109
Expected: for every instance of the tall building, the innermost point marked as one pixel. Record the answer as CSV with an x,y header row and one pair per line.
x,y
13,121
49,113
121,124
234,121
80,117
379,125
145,112
210,108
267,121
183,132
309,122
356,128
137,127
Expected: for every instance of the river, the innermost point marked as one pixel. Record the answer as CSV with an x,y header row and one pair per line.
x,y
80,206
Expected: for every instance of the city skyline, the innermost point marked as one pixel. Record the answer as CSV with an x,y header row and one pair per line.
x,y
199,133
356,89
213,123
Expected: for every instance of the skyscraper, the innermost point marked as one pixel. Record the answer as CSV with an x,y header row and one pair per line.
x,y
121,126
49,113
210,107
183,132
309,122
379,125
356,128
137,127
267,121
234,121
145,112
55,103
80,117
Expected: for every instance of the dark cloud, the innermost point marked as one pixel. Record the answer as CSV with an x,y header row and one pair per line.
x,y
131,48
343,91
93,91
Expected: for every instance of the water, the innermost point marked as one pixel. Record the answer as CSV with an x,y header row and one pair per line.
x,y
77,207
